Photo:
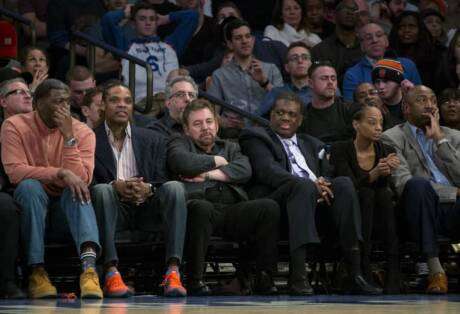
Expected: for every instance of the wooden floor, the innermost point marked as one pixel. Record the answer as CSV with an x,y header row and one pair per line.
x,y
407,304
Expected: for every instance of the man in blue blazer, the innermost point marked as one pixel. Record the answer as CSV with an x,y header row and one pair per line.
x,y
132,189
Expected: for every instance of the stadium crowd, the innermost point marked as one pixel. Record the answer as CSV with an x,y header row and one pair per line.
x,y
361,140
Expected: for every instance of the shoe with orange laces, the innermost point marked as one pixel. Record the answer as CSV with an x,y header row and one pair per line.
x,y
114,287
172,286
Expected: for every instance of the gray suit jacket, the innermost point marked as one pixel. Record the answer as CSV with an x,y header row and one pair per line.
x,y
413,163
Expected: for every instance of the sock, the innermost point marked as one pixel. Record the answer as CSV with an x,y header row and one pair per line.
x,y
172,269
434,266
88,259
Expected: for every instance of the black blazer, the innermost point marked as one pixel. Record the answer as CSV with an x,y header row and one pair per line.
x,y
345,161
149,150
270,164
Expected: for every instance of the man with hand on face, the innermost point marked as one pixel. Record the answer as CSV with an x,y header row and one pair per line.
x,y
132,189
428,179
290,168
214,171
50,157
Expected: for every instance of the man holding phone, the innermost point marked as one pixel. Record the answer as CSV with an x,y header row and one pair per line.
x,y
428,178
132,190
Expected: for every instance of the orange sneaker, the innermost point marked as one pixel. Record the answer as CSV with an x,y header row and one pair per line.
x,y
114,287
172,286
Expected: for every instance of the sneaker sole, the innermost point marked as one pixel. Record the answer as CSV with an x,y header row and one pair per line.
x,y
91,296
124,294
48,295
175,293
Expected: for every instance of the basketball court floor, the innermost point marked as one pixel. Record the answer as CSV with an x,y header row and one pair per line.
x,y
420,304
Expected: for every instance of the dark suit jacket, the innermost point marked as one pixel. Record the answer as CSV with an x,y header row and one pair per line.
x,y
270,163
149,150
185,159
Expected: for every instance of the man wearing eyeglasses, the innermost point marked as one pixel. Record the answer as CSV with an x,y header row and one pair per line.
x,y
292,169
178,93
374,44
15,97
297,63
132,190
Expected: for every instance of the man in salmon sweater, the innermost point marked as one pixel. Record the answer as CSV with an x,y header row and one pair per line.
x,y
49,156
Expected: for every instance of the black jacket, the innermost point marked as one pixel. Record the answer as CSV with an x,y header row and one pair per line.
x,y
149,150
270,163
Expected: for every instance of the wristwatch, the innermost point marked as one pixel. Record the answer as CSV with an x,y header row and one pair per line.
x,y
443,140
70,142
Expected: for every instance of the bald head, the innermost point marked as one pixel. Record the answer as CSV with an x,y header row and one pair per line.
x,y
420,103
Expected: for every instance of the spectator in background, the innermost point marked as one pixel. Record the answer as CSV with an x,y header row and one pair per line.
x,y
92,107
196,49
146,45
448,74
369,163
297,63
387,77
80,81
63,17
363,13
244,80
342,48
179,93
15,97
35,11
289,24
50,158
434,22
449,108
164,7
374,45
314,17
327,117
410,38
35,61
386,11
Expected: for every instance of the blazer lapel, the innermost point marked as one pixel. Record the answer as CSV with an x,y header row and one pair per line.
x,y
308,155
279,151
104,151
137,148
413,142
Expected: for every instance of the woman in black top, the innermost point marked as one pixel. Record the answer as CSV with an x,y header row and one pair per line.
x,y
369,163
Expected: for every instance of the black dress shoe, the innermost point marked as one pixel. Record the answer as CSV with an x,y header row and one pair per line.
x,y
11,291
359,285
198,288
264,284
300,286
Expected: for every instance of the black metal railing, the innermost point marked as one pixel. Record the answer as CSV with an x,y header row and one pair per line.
x,y
93,43
22,20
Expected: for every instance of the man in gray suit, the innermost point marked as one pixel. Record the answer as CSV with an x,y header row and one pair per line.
x,y
214,171
428,178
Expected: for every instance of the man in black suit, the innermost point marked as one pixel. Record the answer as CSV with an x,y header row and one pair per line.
x,y
132,189
214,171
288,168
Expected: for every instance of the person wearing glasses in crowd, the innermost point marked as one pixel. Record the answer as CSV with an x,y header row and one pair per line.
x,y
374,45
297,63
179,93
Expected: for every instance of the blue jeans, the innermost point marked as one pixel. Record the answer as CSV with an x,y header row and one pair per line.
x,y
34,203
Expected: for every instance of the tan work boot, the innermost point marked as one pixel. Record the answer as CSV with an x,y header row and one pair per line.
x,y
40,286
89,285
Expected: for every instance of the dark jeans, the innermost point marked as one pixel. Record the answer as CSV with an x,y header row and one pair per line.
x,y
378,218
254,221
427,218
167,207
9,237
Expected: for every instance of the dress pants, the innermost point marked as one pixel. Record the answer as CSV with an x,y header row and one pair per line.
x,y
9,237
427,218
254,221
306,218
166,207
34,203
378,218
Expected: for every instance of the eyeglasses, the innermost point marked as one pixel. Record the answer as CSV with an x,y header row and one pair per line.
x,y
16,92
182,94
297,58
